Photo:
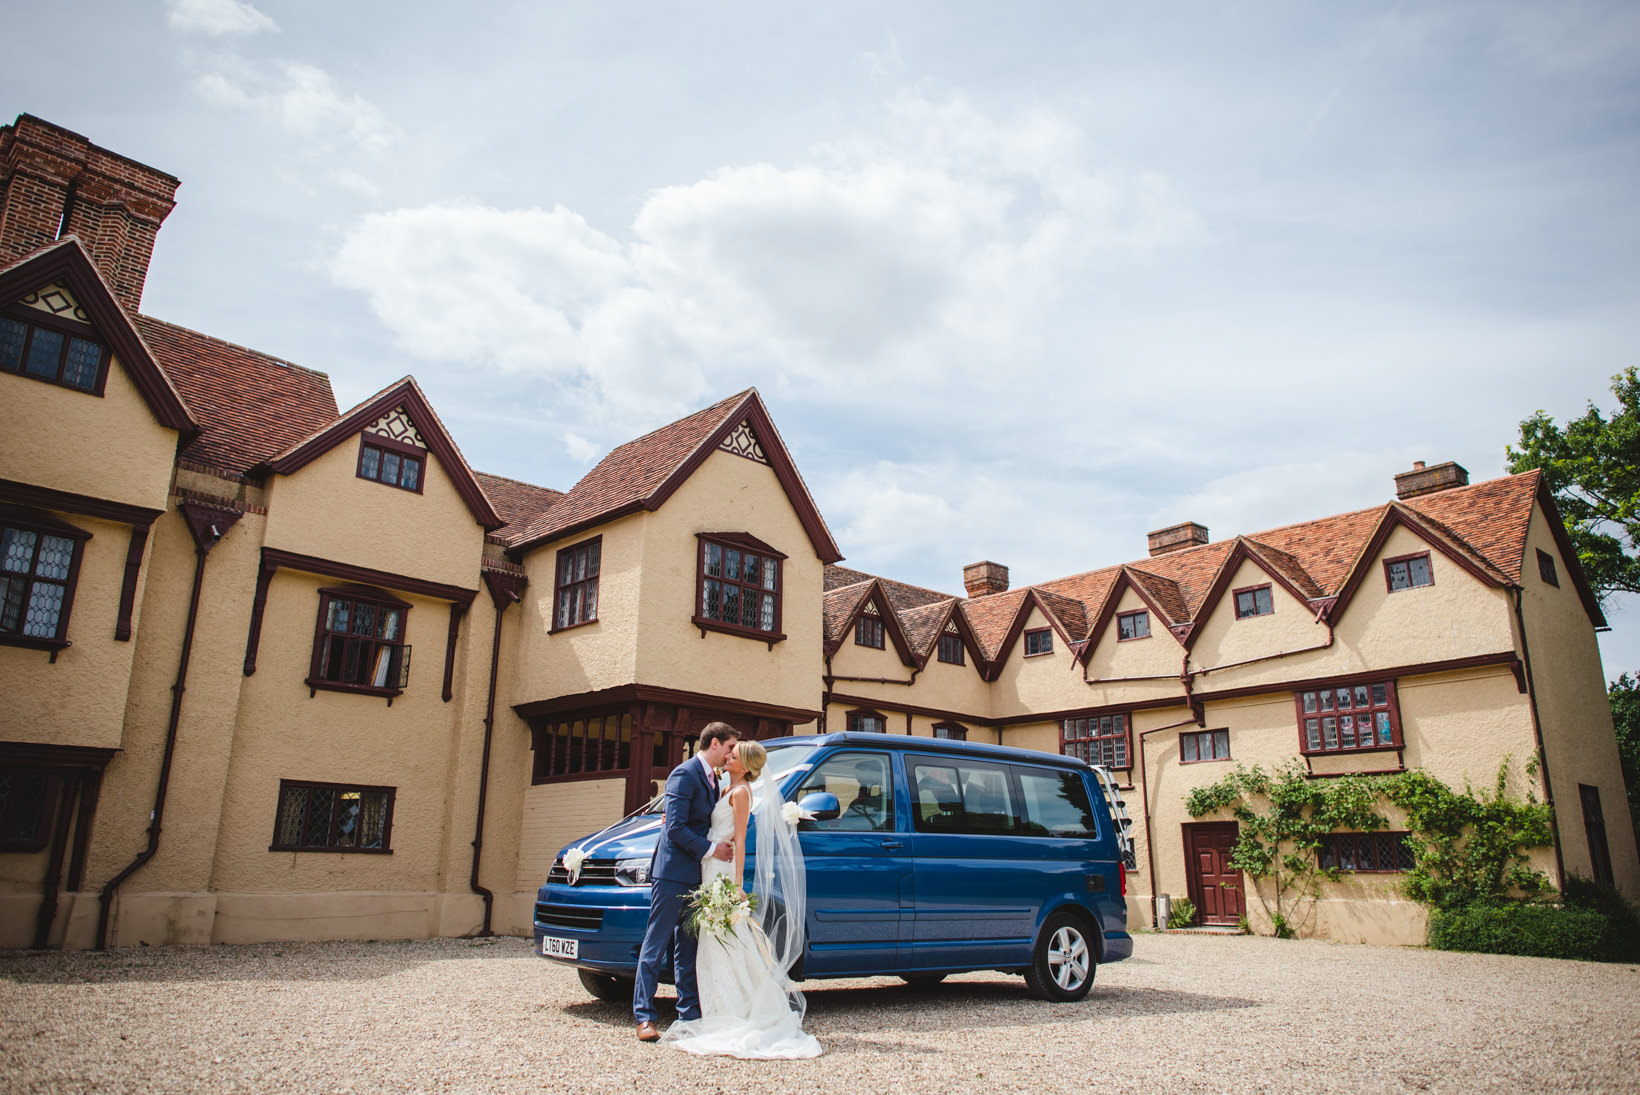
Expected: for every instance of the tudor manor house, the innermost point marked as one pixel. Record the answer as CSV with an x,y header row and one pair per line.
x,y
276,669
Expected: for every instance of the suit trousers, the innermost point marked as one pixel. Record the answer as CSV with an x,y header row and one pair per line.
x,y
665,931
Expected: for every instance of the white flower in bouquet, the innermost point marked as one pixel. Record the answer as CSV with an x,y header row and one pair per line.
x,y
572,863
717,907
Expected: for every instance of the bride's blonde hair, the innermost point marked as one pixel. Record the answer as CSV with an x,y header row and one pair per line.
x,y
753,756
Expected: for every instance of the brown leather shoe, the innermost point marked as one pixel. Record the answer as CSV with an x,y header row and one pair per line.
x,y
648,1033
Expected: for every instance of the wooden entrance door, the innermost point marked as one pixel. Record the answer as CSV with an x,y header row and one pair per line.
x,y
1215,886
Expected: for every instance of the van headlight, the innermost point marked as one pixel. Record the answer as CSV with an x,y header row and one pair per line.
x,y
632,872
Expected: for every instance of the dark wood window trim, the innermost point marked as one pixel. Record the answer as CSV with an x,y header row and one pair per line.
x,y
389,653
1546,568
1138,629
274,558
1041,638
1316,707
299,834
575,585
1267,609
28,798
582,745
951,649
34,320
1366,853
1410,563
17,586
857,716
1105,739
1203,747
951,731
868,631
741,543
385,461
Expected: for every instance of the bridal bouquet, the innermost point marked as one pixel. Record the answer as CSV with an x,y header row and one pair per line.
x,y
717,907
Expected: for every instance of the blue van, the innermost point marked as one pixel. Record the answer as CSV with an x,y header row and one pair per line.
x,y
925,857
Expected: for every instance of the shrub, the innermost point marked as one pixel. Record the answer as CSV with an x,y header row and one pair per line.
x,y
1542,931
1623,940
1181,913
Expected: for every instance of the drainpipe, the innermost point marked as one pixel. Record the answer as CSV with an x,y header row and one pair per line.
x,y
207,524
504,591
1537,734
1144,795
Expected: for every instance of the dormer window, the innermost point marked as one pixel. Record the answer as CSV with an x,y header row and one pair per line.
x,y
1408,572
56,351
1132,625
1254,601
868,631
396,466
738,586
951,649
1039,641
1546,568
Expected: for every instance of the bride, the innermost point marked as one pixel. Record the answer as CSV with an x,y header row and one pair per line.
x,y
749,1006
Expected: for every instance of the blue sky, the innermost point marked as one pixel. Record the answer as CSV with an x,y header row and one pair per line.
x,y
1018,282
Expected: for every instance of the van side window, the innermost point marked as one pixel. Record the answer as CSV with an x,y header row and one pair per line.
x,y
1056,804
955,796
864,786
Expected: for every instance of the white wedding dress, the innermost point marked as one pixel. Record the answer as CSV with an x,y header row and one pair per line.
x,y
745,1011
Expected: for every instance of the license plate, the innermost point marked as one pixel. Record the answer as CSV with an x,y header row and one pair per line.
x,y
552,947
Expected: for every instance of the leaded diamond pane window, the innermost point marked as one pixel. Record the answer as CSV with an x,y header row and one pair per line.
x,y
54,356
361,641
384,465
1370,852
739,587
577,585
37,568
329,817
1408,573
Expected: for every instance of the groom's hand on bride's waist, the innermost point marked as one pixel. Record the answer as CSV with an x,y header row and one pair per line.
x,y
723,851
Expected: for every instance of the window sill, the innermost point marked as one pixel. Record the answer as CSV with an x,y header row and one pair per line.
x,y
1038,654
1395,747
31,642
332,851
571,627
706,625
316,685
1209,760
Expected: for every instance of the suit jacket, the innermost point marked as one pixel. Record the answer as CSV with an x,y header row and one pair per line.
x,y
683,842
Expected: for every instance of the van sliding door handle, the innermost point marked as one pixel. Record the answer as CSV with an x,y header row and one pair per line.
x,y
892,845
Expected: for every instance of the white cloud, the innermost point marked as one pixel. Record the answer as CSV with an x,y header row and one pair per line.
x,y
302,99
216,17
927,253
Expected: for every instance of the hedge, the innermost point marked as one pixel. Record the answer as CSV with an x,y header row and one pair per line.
x,y
1544,931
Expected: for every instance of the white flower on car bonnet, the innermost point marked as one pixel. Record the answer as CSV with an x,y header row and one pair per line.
x,y
572,863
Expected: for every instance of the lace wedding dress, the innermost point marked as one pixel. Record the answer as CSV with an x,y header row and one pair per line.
x,y
746,1001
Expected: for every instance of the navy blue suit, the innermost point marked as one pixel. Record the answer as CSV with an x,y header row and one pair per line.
x,y
674,873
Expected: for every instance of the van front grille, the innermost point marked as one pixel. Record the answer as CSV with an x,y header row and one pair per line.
x,y
594,872
569,916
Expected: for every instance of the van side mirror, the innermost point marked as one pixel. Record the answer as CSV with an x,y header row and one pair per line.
x,y
820,806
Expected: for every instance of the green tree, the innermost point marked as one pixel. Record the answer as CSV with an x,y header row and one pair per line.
x,y
1625,700
1592,466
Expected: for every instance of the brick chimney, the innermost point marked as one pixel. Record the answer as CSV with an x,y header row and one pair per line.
x,y
980,579
1177,538
1422,480
54,183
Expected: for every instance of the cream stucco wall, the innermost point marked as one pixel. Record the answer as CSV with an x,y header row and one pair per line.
x,y
109,447
326,510
1135,670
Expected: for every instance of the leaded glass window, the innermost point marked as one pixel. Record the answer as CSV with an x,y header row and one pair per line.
x,y
1348,718
1408,573
1098,739
52,355
577,584
739,586
390,466
36,579
361,641
330,817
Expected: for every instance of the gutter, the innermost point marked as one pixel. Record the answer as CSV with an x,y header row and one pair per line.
x,y
504,591
207,525
1144,792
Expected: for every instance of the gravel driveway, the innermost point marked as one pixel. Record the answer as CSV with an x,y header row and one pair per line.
x,y
1186,1013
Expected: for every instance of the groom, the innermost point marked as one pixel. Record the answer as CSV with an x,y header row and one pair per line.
x,y
691,792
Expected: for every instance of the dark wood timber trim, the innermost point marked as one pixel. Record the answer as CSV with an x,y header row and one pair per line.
x,y
457,610
643,693
838,698
1568,554
26,494
1103,709
128,586
66,261
1506,658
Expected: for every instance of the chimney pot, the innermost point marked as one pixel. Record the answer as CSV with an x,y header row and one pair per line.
x,y
980,579
1177,538
1422,480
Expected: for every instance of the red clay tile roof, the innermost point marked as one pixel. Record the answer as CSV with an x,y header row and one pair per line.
x,y
517,503
249,405
991,616
902,596
924,625
1165,593
1070,614
1491,517
839,605
627,477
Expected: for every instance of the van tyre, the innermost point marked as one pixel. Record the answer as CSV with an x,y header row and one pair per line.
x,y
1062,961
606,986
